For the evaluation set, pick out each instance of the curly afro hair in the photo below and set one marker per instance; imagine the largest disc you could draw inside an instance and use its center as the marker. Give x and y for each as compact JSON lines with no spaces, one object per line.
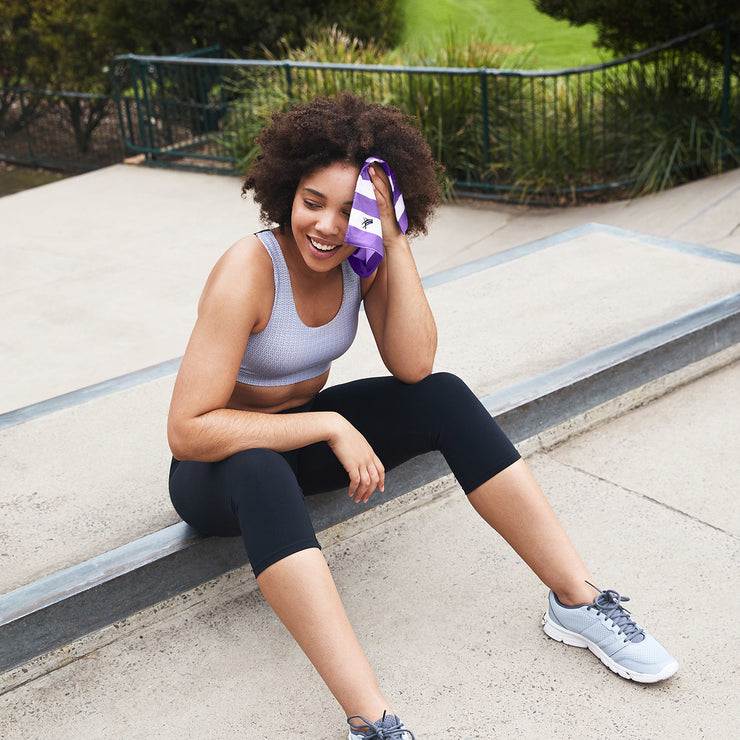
{"x":309,"y":137}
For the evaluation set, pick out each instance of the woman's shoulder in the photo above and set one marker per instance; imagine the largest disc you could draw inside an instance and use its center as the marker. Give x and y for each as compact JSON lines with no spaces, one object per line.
{"x":245,"y":259}
{"x":249,"y":252}
{"x":243,"y":272}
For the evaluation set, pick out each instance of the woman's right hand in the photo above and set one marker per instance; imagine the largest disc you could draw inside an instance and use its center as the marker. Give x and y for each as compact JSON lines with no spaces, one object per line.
{"x":366,"y":472}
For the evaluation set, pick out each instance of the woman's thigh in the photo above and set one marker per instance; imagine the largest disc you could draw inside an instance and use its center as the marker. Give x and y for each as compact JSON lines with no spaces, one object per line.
{"x":254,"y":494}
{"x":402,"y":421}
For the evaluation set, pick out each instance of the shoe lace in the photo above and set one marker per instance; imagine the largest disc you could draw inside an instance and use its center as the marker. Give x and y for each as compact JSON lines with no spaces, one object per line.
{"x":384,"y":729}
{"x":609,"y":603}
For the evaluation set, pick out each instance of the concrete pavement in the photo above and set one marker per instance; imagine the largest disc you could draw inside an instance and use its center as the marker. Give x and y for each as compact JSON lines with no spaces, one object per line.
{"x":103,"y":275}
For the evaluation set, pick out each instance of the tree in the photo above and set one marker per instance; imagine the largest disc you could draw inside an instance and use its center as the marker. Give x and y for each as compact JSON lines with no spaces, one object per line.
{"x":629,"y":25}
{"x":240,"y":27}
{"x":20,"y":65}
{"x":68,"y":45}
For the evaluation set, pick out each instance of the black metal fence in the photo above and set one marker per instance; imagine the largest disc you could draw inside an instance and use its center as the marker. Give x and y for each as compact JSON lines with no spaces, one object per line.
{"x":69,"y":131}
{"x":630,"y":125}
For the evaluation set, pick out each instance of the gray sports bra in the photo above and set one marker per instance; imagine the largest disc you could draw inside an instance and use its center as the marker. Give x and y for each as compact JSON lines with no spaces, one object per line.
{"x":287,"y":351}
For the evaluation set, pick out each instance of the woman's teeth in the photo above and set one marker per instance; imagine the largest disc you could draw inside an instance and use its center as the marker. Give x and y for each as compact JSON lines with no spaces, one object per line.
{"x":322,"y":247}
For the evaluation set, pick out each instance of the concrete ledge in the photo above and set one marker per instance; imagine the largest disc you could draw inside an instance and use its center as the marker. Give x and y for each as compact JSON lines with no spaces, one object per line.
{"x":89,"y":393}
{"x":528,"y":408}
{"x":55,"y":610}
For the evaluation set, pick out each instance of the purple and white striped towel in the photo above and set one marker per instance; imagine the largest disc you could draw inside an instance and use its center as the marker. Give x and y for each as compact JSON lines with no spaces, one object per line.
{"x":364,"y":231}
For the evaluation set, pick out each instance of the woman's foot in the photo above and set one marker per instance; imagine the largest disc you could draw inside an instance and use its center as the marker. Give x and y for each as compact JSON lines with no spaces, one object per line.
{"x":388,"y":727}
{"x":606,"y":628}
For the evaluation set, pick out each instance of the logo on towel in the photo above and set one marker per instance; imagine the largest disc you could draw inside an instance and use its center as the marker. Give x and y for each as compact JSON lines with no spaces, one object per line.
{"x":367,"y":221}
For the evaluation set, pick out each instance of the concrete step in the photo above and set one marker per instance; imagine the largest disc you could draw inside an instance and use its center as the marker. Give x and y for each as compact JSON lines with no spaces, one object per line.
{"x":557,"y":319}
{"x":58,"y":590}
{"x":448,"y":615}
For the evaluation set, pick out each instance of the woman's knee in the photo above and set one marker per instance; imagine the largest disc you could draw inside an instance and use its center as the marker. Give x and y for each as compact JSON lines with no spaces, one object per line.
{"x":256,"y":465}
{"x":445,"y":391}
{"x":259,"y":477}
{"x":445,"y":381}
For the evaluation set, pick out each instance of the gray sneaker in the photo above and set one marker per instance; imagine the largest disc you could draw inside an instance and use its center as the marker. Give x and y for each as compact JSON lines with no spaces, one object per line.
{"x":388,"y":727}
{"x":606,"y":628}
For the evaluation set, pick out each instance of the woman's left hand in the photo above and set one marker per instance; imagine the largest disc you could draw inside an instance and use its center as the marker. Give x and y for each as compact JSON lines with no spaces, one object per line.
{"x":386,"y":208}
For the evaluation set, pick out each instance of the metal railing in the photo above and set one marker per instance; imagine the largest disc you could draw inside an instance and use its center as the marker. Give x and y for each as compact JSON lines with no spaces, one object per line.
{"x":553,"y":136}
{"x":499,"y":132}
{"x":64,"y":130}
{"x":67,"y":130}
{"x":550,"y":135}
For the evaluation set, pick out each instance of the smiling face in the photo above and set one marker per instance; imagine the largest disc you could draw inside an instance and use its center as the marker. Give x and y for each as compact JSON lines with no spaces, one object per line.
{"x":320,"y":215}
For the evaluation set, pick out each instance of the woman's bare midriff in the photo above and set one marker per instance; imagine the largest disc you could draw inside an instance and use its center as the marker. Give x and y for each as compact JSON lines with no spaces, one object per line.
{"x":271,"y":399}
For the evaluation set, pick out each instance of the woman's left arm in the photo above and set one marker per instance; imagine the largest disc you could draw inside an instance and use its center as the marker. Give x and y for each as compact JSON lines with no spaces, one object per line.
{"x":396,"y":307}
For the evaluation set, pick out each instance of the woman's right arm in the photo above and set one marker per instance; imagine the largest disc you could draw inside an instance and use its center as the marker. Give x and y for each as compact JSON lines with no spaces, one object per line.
{"x":201,"y":427}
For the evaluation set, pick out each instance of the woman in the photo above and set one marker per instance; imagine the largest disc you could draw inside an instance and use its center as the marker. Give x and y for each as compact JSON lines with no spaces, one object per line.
{"x":253,"y":430}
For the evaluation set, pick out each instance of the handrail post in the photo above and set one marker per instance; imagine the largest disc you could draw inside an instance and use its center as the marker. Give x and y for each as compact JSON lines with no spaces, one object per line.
{"x":119,"y":107}
{"x":141,"y":116}
{"x":147,"y":133}
{"x":725,"y":116}
{"x":27,"y":130}
{"x":484,"y":119}
{"x":288,"y":80}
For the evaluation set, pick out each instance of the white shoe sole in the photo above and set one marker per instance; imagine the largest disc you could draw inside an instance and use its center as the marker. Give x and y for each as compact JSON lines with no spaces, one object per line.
{"x":556,"y":632}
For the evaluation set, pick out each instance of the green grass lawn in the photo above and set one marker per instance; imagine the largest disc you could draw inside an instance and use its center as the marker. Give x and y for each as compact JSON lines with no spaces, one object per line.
{"x":555,"y":44}
{"x":14,"y":179}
